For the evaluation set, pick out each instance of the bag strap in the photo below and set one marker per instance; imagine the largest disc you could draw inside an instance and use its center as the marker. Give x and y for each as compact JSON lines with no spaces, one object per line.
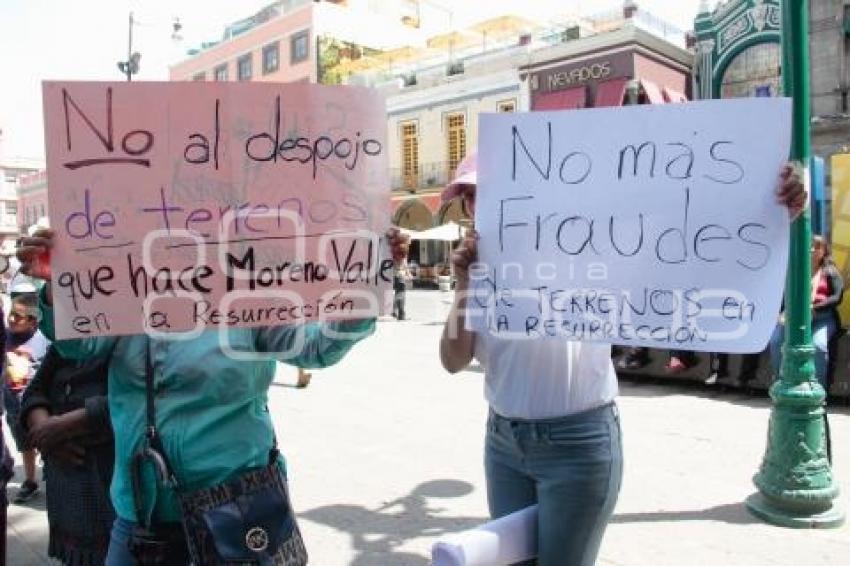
{"x":154,"y":440}
{"x":152,"y":450}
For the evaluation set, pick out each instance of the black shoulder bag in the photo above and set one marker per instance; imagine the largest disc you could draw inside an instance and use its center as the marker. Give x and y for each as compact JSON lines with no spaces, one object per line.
{"x":246,"y":520}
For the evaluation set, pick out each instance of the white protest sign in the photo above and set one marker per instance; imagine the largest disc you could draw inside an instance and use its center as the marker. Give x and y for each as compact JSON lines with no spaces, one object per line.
{"x":646,"y":226}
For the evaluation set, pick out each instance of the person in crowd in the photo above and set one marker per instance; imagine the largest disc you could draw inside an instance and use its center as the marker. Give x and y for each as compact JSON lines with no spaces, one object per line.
{"x":213,"y":423}
{"x":65,"y":415}
{"x":680,"y":361}
{"x":7,"y":472}
{"x":25,"y":346}
{"x":401,"y":275}
{"x":553,"y":430}
{"x":827,"y":290}
{"x":634,"y":359}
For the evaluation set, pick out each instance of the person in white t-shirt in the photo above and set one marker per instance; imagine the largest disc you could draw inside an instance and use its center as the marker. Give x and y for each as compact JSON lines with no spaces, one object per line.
{"x":553,"y":430}
{"x":25,"y":346}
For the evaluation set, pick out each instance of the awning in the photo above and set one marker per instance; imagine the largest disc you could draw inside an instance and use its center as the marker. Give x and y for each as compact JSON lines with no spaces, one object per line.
{"x":671,"y":95}
{"x":504,"y":26}
{"x":449,"y":232}
{"x":653,"y":93}
{"x":611,"y":93}
{"x":569,"y":99}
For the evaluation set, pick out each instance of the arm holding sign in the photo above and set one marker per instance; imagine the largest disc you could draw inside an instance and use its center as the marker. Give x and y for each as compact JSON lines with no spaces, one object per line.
{"x":457,"y":344}
{"x":323,"y":344}
{"x":326,"y":344}
{"x":34,"y":254}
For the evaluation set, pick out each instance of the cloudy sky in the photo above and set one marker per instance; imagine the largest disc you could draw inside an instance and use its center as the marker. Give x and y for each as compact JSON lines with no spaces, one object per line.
{"x":83,"y":40}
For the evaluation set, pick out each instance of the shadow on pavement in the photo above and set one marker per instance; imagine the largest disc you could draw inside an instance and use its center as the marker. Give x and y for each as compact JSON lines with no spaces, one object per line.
{"x":633,"y":387}
{"x":732,"y":513}
{"x":377,"y":533}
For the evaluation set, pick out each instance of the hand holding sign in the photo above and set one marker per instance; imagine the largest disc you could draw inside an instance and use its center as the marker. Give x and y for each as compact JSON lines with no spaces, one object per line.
{"x":34,"y":254}
{"x":791,"y":192}
{"x":464,"y":256}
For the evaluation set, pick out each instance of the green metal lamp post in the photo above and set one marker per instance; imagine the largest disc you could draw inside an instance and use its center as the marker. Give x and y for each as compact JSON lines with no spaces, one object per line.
{"x":795,"y":483}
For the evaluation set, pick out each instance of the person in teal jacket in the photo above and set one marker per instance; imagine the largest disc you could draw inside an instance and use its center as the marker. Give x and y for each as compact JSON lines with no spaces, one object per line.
{"x":211,"y":407}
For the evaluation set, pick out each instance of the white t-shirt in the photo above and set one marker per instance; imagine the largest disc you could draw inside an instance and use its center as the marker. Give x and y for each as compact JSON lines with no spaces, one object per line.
{"x":37,"y":345}
{"x":544,"y":378}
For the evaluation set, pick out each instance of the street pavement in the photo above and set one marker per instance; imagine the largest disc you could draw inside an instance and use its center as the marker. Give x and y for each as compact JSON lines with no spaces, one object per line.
{"x":385,"y":455}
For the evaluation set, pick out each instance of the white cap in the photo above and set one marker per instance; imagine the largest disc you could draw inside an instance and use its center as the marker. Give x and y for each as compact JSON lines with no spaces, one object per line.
{"x":22,"y":284}
{"x":41,"y":223}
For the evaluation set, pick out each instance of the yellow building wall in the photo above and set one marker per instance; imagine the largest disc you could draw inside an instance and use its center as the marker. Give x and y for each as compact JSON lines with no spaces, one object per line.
{"x":841,"y":224}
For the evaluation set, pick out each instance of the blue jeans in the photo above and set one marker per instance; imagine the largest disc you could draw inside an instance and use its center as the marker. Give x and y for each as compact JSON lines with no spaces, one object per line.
{"x":12,"y":404}
{"x":119,"y":551}
{"x":824,"y":328}
{"x":119,"y":541}
{"x":571,"y":467}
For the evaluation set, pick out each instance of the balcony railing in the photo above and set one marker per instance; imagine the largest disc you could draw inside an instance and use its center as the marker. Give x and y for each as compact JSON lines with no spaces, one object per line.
{"x":427,"y":175}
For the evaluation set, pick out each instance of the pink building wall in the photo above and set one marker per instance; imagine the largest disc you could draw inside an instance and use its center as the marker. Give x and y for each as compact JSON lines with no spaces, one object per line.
{"x":280,"y":29}
{"x":662,"y":75}
{"x":32,"y":198}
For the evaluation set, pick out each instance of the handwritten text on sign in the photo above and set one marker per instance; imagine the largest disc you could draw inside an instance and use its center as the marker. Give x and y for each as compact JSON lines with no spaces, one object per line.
{"x":652,"y":225}
{"x":183,"y":205}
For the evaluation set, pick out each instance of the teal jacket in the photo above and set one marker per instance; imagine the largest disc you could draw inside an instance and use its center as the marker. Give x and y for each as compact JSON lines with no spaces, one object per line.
{"x":211,"y":406}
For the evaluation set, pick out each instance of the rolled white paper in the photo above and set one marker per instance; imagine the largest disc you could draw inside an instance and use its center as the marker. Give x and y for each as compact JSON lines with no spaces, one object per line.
{"x":508,"y":540}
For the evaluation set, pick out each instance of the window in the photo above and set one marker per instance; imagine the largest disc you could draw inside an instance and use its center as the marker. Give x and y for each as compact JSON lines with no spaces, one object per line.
{"x":409,"y":155}
{"x":199,"y":77}
{"x":506,"y":106}
{"x":271,"y":58}
{"x":221,"y":72}
{"x":243,"y":68}
{"x":456,"y":136}
{"x":299,"y":47}
{"x":11,"y":207}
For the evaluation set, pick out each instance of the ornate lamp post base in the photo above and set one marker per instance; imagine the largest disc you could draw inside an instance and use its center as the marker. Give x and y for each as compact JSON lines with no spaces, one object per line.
{"x":764,"y":509}
{"x":795,"y":481}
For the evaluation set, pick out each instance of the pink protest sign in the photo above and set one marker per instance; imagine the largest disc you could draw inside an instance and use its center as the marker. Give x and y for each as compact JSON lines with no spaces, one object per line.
{"x":179,"y":206}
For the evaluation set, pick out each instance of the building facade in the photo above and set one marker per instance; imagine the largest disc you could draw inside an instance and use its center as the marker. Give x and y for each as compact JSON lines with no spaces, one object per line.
{"x":275,"y":44}
{"x":830,"y":57}
{"x":508,"y":64}
{"x":302,"y":40}
{"x":738,"y":50}
{"x":626,"y":66}
{"x":738,"y":53}
{"x":12,"y":171}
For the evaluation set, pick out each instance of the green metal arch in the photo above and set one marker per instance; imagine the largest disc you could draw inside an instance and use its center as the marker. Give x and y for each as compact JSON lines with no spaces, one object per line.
{"x":722,"y":63}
